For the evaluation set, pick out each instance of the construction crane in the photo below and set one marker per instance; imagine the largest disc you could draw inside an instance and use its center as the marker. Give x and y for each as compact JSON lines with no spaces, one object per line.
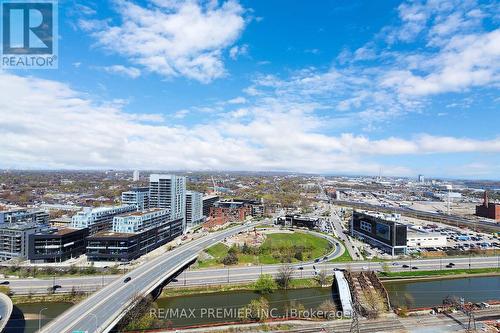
{"x":215,"y":187}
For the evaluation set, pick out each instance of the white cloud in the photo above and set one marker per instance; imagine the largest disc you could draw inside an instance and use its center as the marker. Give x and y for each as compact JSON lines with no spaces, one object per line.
{"x":58,"y":127}
{"x":238,"y":50}
{"x":465,"y":62}
{"x":172,"y":38}
{"x":131,"y":72}
{"x":237,"y":100}
{"x":181,"y":114}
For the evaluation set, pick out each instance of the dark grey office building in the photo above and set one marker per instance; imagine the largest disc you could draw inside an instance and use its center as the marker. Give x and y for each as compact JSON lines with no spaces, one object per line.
{"x":123,"y":247}
{"x":56,"y":245}
{"x":377,"y":230}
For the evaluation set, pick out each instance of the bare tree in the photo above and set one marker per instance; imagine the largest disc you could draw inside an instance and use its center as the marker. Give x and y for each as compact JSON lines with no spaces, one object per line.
{"x":322,"y":278}
{"x":284,"y":277}
{"x":374,"y":302}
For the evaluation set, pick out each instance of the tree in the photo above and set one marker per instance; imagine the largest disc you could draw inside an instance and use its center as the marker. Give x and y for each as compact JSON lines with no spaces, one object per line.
{"x":230,"y":259}
{"x":257,"y":309}
{"x":374,"y":303}
{"x":284,"y":276}
{"x":322,"y":278}
{"x":328,"y":309}
{"x":265,"y":284}
{"x":245,"y":248}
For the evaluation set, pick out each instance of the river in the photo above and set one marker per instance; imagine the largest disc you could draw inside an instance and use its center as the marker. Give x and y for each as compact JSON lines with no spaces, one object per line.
{"x":226,"y":304}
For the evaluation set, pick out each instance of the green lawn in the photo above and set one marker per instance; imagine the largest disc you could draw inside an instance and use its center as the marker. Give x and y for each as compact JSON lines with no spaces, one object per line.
{"x":443,"y":272}
{"x":345,"y":257}
{"x":272,"y":249}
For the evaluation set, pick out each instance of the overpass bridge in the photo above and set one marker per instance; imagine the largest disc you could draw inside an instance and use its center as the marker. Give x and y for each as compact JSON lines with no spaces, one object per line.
{"x":103,"y":310}
{"x":344,"y":293}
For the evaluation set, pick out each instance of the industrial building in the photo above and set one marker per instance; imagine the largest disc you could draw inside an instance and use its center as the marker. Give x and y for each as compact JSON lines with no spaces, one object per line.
{"x":194,"y":209}
{"x":138,"y":196}
{"x":99,"y":219}
{"x":56,"y":244}
{"x":381,"y":231}
{"x":230,"y":211}
{"x":422,"y":239}
{"x":488,"y":210}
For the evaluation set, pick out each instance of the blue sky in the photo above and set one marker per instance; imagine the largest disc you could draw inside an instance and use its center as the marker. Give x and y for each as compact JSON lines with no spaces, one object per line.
{"x":341,"y":87}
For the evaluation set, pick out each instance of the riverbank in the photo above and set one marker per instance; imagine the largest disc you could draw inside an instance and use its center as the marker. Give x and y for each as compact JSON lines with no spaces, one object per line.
{"x":435,"y":274}
{"x":185,"y":291}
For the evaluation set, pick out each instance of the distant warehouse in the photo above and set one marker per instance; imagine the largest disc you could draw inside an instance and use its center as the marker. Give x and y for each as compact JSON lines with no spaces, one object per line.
{"x":488,"y":209}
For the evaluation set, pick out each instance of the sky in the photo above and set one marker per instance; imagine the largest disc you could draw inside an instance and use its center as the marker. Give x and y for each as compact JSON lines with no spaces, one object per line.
{"x":399,"y":88}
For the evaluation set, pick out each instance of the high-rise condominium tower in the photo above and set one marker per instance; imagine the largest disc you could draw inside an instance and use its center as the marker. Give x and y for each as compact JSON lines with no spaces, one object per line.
{"x":168,"y":191}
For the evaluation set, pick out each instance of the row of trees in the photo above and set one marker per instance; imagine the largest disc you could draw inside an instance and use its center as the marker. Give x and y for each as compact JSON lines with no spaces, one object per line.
{"x":266,"y":284}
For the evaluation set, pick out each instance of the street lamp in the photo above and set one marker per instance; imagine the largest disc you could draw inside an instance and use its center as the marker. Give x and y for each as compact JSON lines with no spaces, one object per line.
{"x":40,"y":318}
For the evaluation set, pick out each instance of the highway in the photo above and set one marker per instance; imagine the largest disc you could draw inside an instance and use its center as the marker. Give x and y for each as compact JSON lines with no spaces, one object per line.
{"x":101,"y":311}
{"x":240,"y":274}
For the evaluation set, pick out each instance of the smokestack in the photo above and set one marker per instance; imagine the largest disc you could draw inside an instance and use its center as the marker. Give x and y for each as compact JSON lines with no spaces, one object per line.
{"x":485,"y":200}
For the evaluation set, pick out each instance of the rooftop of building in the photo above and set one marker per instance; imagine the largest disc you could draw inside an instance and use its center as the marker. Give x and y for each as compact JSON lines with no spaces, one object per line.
{"x":111,"y":234}
{"x":94,"y":210}
{"x":144,"y":212}
{"x":421,"y":233}
{"x":19,"y":226}
{"x":61,"y":220}
{"x":383,"y":216}
{"x":57,"y":231}
{"x":138,"y":189}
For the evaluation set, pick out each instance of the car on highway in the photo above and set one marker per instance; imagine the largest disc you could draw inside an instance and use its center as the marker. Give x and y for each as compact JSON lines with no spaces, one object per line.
{"x":325,"y":258}
{"x":414,"y":267}
{"x":451,"y":264}
{"x":127,"y":279}
{"x":448,"y":266}
{"x":316,"y":260}
{"x":365,"y":268}
{"x":405,"y":266}
{"x":4,"y":282}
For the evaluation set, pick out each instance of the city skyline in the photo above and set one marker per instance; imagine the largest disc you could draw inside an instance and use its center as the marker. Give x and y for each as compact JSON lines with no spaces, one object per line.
{"x":345,"y":88}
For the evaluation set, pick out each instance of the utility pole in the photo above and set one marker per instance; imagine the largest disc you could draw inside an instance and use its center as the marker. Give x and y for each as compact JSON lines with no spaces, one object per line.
{"x":355,"y":320}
